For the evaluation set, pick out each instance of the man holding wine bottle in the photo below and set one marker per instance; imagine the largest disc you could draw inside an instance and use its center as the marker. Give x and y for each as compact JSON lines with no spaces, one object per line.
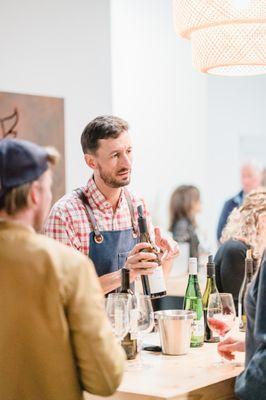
{"x":100,"y":219}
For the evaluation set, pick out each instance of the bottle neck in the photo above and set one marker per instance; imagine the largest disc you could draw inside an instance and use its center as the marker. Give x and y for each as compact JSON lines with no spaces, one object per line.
{"x":211,"y":282}
{"x":125,"y":281}
{"x":192,"y":278}
{"x":144,"y":237}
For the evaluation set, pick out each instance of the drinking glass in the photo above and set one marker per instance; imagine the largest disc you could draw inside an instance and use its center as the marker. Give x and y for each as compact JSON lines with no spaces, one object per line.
{"x":117,"y":312}
{"x":221,"y":314}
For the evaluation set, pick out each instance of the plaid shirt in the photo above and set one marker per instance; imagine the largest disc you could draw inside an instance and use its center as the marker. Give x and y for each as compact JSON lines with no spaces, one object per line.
{"x":68,"y":220}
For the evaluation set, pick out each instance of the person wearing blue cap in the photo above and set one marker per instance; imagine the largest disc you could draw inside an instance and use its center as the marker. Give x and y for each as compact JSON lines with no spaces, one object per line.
{"x":55,"y":339}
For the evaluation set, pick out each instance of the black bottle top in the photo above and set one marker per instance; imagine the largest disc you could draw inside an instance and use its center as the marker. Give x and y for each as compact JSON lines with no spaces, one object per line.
{"x":210,"y":267}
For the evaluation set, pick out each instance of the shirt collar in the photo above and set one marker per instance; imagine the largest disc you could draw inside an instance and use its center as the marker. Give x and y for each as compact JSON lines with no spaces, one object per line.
{"x":8,"y":224}
{"x":97,"y":200}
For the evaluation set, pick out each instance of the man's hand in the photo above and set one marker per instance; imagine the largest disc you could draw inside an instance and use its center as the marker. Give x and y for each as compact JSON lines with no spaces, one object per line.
{"x":227,"y":347}
{"x":168,"y":246}
{"x":140,"y":262}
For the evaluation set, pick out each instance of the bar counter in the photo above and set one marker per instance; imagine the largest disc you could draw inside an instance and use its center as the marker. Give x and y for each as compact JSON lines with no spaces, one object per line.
{"x":189,"y":377}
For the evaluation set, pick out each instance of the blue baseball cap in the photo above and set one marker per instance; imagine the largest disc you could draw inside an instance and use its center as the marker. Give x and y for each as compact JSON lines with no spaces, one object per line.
{"x":21,"y":162}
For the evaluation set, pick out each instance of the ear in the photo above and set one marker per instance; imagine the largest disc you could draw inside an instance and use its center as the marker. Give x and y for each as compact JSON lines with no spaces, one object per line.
{"x":90,"y":161}
{"x":34,"y":194}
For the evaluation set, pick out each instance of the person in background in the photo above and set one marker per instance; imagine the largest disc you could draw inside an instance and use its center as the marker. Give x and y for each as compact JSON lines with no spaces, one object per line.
{"x":251,"y":176}
{"x":246,"y":228}
{"x":185,"y":204}
{"x":251,"y":383}
{"x":100,"y":218}
{"x":55,"y":339}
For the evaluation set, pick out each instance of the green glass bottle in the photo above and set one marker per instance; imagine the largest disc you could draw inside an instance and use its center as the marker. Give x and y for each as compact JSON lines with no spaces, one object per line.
{"x":211,"y":288}
{"x":193,"y":302}
{"x":243,"y":290}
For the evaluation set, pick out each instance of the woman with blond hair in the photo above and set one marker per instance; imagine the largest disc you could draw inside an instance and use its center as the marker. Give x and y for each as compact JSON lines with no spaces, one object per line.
{"x":246,"y":228}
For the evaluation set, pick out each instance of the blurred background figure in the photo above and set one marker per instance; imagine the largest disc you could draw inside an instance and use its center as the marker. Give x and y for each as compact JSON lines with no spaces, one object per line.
{"x":185,"y":204}
{"x":246,"y":227}
{"x":251,"y":177}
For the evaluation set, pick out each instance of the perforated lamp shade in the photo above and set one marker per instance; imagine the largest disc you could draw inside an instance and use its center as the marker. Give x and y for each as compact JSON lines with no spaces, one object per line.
{"x":228,"y":37}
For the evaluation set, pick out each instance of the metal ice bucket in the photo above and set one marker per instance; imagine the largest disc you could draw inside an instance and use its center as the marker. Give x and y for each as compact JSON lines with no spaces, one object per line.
{"x":175,"y":330}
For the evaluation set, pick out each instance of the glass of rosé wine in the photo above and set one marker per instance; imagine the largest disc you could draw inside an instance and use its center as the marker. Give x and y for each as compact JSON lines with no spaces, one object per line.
{"x":221,"y":314}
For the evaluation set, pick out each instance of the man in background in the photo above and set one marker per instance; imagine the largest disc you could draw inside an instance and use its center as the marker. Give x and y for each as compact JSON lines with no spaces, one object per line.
{"x":251,"y":176}
{"x":55,"y":339}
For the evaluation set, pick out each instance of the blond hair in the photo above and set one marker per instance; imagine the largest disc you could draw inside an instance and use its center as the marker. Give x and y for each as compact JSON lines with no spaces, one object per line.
{"x":243,"y":222}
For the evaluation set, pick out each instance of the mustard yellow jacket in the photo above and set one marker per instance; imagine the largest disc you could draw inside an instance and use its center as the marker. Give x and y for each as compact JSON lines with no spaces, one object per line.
{"x":55,"y":340}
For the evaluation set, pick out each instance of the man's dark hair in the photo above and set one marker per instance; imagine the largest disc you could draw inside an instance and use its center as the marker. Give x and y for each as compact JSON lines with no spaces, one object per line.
{"x":102,"y":127}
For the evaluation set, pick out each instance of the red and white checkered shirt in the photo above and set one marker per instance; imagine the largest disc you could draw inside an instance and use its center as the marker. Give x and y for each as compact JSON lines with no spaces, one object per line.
{"x":68,"y":220}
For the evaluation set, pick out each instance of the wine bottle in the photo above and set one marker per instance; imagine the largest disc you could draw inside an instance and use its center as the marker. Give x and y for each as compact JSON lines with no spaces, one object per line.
{"x":153,"y":285}
{"x":129,"y":343}
{"x":193,"y":302}
{"x":242,"y":293}
{"x":209,"y":336}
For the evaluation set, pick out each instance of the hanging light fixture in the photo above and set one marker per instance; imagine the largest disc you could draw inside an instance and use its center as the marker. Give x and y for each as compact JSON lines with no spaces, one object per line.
{"x":228,"y":37}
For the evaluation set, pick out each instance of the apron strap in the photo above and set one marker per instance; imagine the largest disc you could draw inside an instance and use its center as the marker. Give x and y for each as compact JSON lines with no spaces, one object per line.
{"x":98,"y":237}
{"x":131,"y":210}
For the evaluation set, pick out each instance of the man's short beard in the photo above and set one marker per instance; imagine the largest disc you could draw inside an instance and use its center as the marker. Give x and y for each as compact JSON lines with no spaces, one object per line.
{"x":112,"y":182}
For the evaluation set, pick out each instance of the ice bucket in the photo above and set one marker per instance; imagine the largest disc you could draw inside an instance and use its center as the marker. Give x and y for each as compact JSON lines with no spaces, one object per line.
{"x":175,"y":330}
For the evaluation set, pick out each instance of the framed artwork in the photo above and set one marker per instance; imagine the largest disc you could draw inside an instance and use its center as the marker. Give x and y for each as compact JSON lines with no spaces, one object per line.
{"x":39,"y":119}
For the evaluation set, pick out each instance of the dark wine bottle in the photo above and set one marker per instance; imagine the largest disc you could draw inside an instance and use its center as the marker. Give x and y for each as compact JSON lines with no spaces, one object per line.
{"x":242,"y":293}
{"x":209,"y":336}
{"x":129,"y":343}
{"x":153,"y":285}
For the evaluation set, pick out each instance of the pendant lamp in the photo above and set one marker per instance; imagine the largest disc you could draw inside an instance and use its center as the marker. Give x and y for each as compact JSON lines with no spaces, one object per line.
{"x":228,"y":37}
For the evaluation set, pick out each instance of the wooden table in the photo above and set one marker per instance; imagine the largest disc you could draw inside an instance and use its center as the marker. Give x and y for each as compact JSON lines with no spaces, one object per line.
{"x":189,"y":377}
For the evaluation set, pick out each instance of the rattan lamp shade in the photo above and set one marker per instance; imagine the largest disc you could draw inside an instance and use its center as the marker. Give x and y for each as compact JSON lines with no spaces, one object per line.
{"x":228,"y":37}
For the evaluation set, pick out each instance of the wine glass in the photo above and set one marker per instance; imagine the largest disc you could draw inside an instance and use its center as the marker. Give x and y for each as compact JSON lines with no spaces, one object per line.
{"x":221,"y":314}
{"x":145,"y":322}
{"x":117,"y":312}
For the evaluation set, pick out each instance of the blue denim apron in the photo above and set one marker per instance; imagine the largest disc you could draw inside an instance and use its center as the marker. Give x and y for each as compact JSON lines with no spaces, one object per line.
{"x":109,"y":249}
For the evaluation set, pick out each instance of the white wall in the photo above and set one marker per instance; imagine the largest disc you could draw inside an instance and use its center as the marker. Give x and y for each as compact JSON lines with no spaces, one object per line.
{"x":162,"y":97}
{"x":59,"y":48}
{"x":236,"y":107}
{"x":185,"y":125}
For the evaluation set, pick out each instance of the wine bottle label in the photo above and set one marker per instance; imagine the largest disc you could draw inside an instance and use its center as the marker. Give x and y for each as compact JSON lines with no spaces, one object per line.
{"x":197,"y":328}
{"x":134,"y":315}
{"x":130,"y":347}
{"x":156,"y":281}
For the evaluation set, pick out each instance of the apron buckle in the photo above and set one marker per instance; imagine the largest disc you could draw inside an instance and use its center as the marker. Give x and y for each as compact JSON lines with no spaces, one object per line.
{"x":98,"y":238}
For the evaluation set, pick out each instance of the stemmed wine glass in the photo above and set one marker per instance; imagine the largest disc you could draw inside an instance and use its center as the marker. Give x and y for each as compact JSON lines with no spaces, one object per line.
{"x":117,"y":312}
{"x":143,"y":323}
{"x":221,"y":314}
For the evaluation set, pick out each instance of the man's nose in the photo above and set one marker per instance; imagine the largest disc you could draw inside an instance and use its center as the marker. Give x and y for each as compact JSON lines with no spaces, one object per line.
{"x":126,"y":161}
